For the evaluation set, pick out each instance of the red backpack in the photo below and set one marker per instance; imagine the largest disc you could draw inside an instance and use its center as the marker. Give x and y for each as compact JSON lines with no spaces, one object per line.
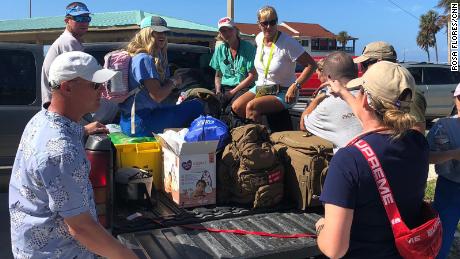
{"x":423,"y":241}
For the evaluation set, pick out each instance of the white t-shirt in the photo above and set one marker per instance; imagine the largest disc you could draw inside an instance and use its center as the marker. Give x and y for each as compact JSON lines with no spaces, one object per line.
{"x":282,"y":66}
{"x":334,"y":120}
{"x":65,"y":43}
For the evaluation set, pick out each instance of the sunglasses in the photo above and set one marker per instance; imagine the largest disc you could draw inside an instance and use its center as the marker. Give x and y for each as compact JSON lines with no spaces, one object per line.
{"x":81,"y":19}
{"x":96,"y":86}
{"x":271,"y":23}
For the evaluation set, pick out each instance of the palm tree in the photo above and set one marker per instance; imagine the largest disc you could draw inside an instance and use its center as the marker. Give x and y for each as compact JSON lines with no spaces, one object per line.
{"x":444,"y":20}
{"x":425,"y":41}
{"x":429,"y":24}
{"x":343,"y":38}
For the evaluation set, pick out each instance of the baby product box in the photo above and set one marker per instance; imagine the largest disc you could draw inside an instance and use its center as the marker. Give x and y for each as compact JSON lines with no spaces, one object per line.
{"x":189,"y":171}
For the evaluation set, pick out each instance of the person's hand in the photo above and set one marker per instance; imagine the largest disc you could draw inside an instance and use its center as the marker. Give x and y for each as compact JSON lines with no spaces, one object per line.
{"x":302,"y":124}
{"x":177,"y":81}
{"x":319,"y":223}
{"x":94,"y":128}
{"x":336,"y":87}
{"x":229,"y":94}
{"x":291,"y":94}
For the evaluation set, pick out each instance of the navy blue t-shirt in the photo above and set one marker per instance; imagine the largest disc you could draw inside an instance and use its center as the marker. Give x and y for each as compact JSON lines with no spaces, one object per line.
{"x":349,"y":184}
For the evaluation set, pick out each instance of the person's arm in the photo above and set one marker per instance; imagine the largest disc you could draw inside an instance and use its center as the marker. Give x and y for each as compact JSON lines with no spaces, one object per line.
{"x":245,"y":83}
{"x":218,"y":81}
{"x":94,"y":128}
{"x":340,"y":90}
{"x":334,"y":231}
{"x":311,"y":106}
{"x":95,"y":238}
{"x":309,"y":68}
{"x":157,"y":91}
{"x":439,"y":157}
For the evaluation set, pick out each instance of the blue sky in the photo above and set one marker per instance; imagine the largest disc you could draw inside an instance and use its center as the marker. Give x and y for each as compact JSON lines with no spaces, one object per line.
{"x":368,"y":20}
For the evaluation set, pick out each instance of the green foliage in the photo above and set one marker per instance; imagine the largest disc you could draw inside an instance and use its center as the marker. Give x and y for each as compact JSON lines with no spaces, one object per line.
{"x":429,"y":191}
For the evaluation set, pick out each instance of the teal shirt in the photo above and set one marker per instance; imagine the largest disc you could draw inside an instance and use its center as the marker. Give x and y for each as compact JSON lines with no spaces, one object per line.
{"x":233,"y":71}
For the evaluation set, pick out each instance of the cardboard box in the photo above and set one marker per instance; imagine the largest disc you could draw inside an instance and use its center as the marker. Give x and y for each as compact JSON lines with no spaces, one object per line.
{"x":189,"y":172}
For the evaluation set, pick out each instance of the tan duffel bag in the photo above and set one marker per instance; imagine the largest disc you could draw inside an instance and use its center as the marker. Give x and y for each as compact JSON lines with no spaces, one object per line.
{"x":306,"y":159}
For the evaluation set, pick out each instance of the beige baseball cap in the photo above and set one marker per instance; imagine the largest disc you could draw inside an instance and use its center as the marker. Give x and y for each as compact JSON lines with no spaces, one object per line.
{"x":386,"y":81}
{"x":379,"y":50}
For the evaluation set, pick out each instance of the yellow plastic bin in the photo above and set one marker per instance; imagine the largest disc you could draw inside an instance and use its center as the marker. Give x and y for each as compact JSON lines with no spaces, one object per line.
{"x":146,"y":155}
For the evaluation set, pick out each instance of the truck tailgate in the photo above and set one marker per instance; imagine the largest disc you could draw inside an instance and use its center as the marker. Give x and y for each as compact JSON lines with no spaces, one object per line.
{"x":180,"y":242}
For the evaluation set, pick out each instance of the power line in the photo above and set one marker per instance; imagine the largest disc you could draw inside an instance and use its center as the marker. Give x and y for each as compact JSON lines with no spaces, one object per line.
{"x":404,"y":10}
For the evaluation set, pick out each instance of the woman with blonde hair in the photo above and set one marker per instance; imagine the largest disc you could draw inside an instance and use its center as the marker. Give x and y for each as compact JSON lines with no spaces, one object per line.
{"x":277,"y":87}
{"x":355,"y":224}
{"x":143,"y":113}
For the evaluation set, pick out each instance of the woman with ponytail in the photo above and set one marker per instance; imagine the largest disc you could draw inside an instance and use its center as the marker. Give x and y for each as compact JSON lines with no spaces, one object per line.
{"x":355,"y":224}
{"x":149,"y":69}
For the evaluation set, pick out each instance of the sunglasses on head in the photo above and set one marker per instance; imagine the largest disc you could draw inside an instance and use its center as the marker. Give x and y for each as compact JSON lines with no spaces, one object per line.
{"x":271,"y":22}
{"x":81,"y":18}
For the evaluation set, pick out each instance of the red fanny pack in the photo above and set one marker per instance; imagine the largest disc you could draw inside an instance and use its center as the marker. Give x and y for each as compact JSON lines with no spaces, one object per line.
{"x":423,"y":241}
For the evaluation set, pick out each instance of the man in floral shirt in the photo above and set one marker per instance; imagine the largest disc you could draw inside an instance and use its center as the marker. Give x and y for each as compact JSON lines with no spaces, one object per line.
{"x":51,"y":202}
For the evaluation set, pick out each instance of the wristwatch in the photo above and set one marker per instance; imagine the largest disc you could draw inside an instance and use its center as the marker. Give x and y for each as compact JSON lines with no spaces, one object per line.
{"x":298,"y":85}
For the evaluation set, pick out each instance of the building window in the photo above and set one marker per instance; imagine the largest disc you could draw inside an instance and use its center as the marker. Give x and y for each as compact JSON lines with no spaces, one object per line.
{"x":305,"y":43}
{"x":17,"y":77}
{"x":315,"y":44}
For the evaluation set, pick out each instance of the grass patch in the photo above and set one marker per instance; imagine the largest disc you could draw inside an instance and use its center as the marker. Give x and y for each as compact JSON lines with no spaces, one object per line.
{"x":429,"y":191}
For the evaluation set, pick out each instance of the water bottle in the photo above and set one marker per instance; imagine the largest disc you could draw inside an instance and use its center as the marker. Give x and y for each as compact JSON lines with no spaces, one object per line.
{"x":441,"y":139}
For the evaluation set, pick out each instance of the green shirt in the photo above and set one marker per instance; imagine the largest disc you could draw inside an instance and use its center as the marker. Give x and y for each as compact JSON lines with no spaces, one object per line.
{"x":233,"y":71}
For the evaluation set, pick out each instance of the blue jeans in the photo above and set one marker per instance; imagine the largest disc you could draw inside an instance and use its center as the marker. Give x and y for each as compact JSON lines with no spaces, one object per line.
{"x":447,"y":203}
{"x":156,"y":120}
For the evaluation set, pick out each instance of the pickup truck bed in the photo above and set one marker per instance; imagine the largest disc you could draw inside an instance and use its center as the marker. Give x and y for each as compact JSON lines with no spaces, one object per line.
{"x":181,"y":242}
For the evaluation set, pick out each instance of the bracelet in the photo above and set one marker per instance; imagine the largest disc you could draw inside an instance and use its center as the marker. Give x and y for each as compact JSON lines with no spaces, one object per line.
{"x":318,"y":230}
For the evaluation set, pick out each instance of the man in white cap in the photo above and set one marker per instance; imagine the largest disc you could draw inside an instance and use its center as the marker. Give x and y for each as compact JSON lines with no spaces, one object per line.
{"x":51,"y":203}
{"x":378,"y":51}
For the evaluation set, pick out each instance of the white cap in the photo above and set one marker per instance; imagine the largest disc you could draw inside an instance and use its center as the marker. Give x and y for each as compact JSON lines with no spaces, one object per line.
{"x":225,"y":22}
{"x":73,"y":64}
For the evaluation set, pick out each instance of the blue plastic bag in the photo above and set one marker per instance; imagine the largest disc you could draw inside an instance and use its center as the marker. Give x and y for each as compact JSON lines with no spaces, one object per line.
{"x":206,"y":128}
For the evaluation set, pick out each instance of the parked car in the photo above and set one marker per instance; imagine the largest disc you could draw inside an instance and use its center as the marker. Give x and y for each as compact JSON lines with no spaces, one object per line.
{"x":437,"y":83}
{"x":312,"y":84}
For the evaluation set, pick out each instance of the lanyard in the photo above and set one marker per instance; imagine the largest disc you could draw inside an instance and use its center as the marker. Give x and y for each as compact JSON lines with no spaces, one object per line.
{"x":270,"y":56}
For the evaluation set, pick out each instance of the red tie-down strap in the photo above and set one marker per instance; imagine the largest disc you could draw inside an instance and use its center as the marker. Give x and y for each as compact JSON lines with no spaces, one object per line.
{"x":246,"y":232}
{"x":275,"y":176}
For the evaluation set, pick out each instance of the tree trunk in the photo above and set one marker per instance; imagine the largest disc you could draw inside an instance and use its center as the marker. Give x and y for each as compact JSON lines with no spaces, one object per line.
{"x":436,"y":49}
{"x":428,"y":53}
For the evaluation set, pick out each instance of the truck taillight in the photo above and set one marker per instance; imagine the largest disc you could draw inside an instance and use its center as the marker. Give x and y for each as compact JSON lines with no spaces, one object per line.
{"x":99,"y":167}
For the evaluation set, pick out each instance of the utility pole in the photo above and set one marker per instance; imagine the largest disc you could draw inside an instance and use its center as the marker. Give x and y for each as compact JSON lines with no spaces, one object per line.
{"x":230,"y":10}
{"x":30,"y":8}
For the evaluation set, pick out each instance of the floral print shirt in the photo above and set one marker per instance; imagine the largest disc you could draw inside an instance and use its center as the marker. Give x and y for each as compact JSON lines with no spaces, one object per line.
{"x":49,"y":182}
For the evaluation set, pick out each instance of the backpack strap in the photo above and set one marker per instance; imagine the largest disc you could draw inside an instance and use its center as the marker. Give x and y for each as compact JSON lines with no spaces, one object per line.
{"x":134,"y":92}
{"x":383,"y":187}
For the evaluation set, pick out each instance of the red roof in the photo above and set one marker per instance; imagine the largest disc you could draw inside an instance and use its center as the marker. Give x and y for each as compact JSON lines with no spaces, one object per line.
{"x":310,"y":29}
{"x":297,"y":29}
{"x":251,"y":28}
